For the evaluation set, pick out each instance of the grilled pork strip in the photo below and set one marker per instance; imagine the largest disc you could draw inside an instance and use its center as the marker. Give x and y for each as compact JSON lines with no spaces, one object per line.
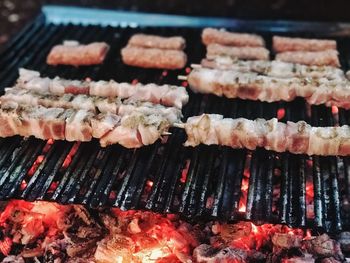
{"x":299,"y":138}
{"x":315,"y":58}
{"x":212,"y":35}
{"x":153,"y":57}
{"x":244,"y":53}
{"x":282,"y":44}
{"x":76,"y":54}
{"x":153,"y":41}
{"x":274,"y":68}
{"x":90,"y":103}
{"x":131,"y":131}
{"x":165,"y":94}
{"x":234,"y":84}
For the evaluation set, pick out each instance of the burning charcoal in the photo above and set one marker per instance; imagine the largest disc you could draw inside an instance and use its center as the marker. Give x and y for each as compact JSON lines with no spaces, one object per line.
{"x":116,"y":249}
{"x":81,"y":248}
{"x":344,"y":240}
{"x":13,"y":259}
{"x":192,"y":234}
{"x":256,"y":256}
{"x":286,"y":240}
{"x":133,"y":227}
{"x":54,"y":252}
{"x":32,"y":253}
{"x":330,"y":260}
{"x":207,"y":254}
{"x":306,"y":259}
{"x":323,"y":246}
{"x":238,"y":235}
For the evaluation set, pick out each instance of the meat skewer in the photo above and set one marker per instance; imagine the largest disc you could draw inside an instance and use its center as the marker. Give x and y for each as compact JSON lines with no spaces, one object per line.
{"x":165,"y":94}
{"x":131,"y":131}
{"x":234,"y":84}
{"x":76,"y":54}
{"x":153,"y":41}
{"x":298,"y":138}
{"x":274,"y":68}
{"x":282,"y":44}
{"x":316,"y":58}
{"x":153,"y":57}
{"x":90,"y":103}
{"x":244,"y":53}
{"x":212,"y":35}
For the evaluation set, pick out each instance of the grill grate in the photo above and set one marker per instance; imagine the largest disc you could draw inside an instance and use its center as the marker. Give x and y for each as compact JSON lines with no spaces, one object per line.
{"x":153,"y":177}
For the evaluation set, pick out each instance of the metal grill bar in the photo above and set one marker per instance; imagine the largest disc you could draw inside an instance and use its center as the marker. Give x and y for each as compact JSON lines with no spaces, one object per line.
{"x":202,"y":182}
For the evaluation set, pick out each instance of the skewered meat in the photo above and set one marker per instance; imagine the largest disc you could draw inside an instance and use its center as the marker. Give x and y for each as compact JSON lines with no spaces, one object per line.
{"x":274,"y":68}
{"x":282,"y":44}
{"x":316,"y":58}
{"x":153,"y":57}
{"x":234,"y":84}
{"x":153,"y":41}
{"x":131,"y":131}
{"x":165,"y":94}
{"x":299,"y":138}
{"x":76,"y":54}
{"x":90,"y":103}
{"x":245,"y":53}
{"x":211,"y":35}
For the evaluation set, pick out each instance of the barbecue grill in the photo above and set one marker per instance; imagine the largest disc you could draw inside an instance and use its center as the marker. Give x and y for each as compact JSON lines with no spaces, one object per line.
{"x":199,"y":183}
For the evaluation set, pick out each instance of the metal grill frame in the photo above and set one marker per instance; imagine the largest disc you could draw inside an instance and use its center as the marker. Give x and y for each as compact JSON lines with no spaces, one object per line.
{"x":119,"y":177}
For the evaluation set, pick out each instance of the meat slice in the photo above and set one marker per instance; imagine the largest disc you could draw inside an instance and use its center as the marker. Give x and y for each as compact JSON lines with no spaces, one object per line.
{"x":212,"y":35}
{"x":78,"y":126}
{"x":282,"y":44}
{"x":76,"y":54}
{"x":153,"y":57}
{"x":324,"y":141}
{"x":274,"y":68}
{"x":103,"y":124}
{"x":10,"y":120}
{"x":244,"y":53}
{"x":316,"y":58}
{"x":153,"y":41}
{"x":297,"y":136}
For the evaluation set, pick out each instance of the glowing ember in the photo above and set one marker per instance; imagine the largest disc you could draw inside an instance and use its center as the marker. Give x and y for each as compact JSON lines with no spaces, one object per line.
{"x":70,"y":155}
{"x":188,"y":70}
{"x":281,"y":113}
{"x":134,"y":81}
{"x":184,"y":172}
{"x":165,"y":73}
{"x":184,"y":84}
{"x":149,"y":183}
{"x":244,"y":192}
{"x":335,"y":110}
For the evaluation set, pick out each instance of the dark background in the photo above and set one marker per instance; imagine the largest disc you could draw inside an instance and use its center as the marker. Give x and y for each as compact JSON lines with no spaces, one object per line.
{"x":14,"y":14}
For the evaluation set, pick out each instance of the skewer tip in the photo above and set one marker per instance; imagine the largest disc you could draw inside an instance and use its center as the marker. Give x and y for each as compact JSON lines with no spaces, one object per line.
{"x":179,"y":125}
{"x":196,"y":66}
{"x":181,"y":77}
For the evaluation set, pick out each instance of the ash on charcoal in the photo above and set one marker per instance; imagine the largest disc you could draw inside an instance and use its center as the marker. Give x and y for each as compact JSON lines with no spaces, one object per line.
{"x":344,"y":240}
{"x":207,"y":254}
{"x":323,"y":246}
